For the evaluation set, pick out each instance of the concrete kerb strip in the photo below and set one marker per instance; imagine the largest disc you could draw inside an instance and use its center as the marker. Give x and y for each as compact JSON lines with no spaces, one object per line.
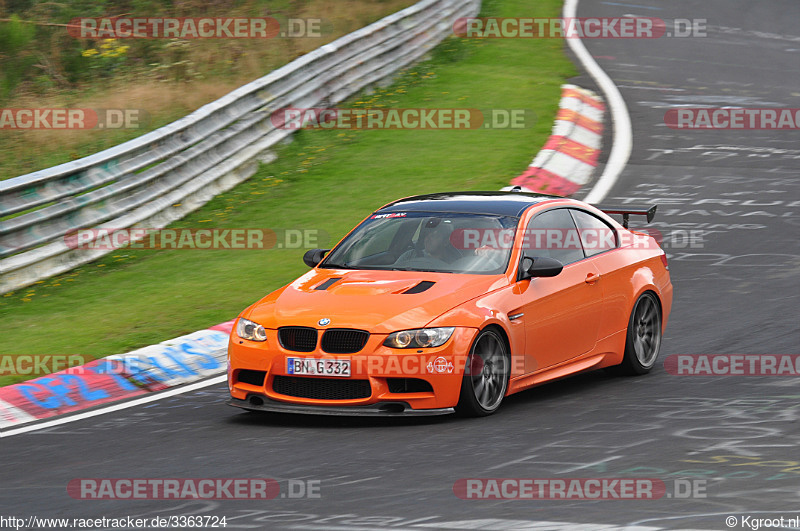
{"x":175,"y":362}
{"x":569,"y":157}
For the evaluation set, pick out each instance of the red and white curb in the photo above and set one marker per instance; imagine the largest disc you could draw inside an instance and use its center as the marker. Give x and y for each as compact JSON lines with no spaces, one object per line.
{"x":175,"y":362}
{"x":569,"y":158}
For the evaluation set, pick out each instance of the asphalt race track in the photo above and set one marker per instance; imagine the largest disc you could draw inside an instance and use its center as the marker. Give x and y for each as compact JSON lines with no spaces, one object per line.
{"x":732,"y":199}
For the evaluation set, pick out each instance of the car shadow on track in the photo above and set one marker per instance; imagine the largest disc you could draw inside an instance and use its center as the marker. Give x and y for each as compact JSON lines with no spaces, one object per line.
{"x":579,"y":386}
{"x":288,"y":420}
{"x":527,"y":402}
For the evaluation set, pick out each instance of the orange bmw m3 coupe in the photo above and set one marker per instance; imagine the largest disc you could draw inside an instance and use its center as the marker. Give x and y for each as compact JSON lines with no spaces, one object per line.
{"x":450,"y":302}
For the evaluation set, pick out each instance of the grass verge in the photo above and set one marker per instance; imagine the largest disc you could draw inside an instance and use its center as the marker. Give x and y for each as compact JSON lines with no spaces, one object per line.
{"x":164,"y":78}
{"x":326,"y":180}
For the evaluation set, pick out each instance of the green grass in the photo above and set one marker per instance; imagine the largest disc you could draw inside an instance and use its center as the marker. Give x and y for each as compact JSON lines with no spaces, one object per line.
{"x":326,"y":179}
{"x":165,"y":78}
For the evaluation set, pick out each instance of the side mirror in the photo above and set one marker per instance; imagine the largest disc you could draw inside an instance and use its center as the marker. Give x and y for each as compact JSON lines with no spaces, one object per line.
{"x":539,"y":266}
{"x":314,"y":256}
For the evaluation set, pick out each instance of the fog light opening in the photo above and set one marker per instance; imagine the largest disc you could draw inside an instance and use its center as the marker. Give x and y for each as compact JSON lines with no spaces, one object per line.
{"x":256,"y":400}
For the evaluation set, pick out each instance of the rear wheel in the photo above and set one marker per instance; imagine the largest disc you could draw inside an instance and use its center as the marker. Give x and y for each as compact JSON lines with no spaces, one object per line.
{"x":644,"y":336}
{"x":485,"y":375}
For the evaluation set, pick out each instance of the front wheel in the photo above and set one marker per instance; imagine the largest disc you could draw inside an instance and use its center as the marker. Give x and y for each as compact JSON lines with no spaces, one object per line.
{"x":643,"y":340}
{"x":486,"y":376}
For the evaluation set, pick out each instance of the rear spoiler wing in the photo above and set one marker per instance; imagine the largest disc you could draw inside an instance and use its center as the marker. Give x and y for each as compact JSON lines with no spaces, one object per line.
{"x":650,"y":212}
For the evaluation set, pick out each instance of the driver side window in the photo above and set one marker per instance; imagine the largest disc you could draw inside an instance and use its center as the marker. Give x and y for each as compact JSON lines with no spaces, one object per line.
{"x":553,"y":234}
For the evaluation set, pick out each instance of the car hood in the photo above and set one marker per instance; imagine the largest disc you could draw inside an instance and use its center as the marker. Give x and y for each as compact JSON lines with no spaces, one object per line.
{"x":369,"y":300}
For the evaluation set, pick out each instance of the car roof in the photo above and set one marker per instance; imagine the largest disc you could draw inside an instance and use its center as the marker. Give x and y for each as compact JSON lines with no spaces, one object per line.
{"x":493,"y":203}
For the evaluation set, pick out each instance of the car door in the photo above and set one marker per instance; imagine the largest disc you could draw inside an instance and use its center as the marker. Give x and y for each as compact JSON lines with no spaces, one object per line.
{"x":561,"y":313}
{"x":600,"y":245}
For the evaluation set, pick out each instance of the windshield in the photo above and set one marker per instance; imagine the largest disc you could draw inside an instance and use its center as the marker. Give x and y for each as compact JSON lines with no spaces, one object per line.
{"x":427,"y":241}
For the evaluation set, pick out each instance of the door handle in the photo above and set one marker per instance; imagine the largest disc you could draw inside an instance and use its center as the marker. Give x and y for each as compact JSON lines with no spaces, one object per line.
{"x":591,"y":278}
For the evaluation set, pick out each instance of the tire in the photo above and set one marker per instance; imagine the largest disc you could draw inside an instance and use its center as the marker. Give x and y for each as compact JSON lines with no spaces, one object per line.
{"x":643,"y":339}
{"x":486,"y":375}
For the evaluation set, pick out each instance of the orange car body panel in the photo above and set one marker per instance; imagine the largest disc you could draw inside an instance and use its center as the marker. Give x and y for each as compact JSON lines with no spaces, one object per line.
{"x":569,"y":325}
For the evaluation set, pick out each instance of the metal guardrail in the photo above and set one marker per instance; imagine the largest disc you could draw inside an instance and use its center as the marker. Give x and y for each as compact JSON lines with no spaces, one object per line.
{"x":163,"y":175}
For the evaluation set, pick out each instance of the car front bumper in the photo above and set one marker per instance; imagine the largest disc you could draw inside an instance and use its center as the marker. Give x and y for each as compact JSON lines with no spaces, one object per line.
{"x":376,"y":364}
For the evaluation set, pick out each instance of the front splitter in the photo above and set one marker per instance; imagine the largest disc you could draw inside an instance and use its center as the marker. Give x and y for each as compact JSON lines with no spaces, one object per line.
{"x":379,"y":409}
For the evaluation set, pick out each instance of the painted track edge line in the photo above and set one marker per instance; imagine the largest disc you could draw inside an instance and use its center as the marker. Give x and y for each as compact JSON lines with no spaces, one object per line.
{"x":622,"y":140}
{"x":116,"y":406}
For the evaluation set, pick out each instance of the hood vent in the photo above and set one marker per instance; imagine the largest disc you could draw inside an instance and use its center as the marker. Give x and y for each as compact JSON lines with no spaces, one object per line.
{"x":425,"y":285}
{"x":328,"y":283}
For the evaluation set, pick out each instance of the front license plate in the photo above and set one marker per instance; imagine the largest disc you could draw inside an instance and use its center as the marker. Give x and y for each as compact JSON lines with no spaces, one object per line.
{"x":317,"y":367}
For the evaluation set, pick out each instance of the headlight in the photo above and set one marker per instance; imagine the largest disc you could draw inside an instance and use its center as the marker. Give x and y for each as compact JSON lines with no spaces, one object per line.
{"x":420,"y":338}
{"x":250,"y":330}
